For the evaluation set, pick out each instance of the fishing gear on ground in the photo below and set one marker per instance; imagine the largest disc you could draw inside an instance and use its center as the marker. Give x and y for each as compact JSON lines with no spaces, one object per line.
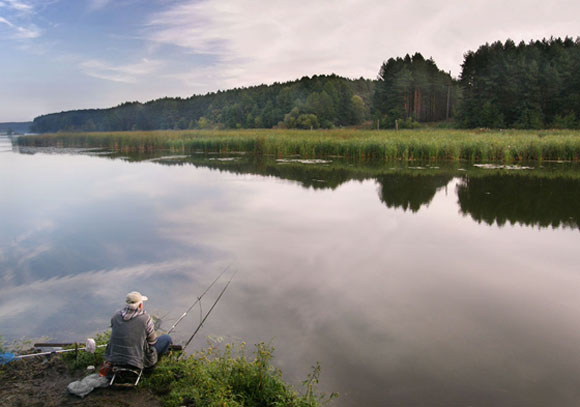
{"x":90,"y":347}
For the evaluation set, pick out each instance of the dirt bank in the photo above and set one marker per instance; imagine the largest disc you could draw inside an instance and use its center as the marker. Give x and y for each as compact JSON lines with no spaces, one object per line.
{"x":42,"y":382}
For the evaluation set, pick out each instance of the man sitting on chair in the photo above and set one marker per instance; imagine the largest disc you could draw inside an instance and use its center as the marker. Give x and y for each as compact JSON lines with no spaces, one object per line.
{"x":133,"y":339}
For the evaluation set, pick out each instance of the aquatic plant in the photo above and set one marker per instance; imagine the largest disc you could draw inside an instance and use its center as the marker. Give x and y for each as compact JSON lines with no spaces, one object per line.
{"x":356,"y":145}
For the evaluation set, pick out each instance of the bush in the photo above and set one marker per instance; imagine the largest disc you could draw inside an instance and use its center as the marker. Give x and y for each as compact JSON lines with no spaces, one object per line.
{"x":212,"y":378}
{"x":565,"y":122}
{"x":409,"y":123}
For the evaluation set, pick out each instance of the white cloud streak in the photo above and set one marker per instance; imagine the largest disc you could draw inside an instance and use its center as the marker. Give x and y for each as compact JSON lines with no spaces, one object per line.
{"x":17,"y":5}
{"x":21,"y":32}
{"x":129,"y":73}
{"x":97,"y":4}
{"x":4,"y":21}
{"x":20,"y":12}
{"x":58,"y":291}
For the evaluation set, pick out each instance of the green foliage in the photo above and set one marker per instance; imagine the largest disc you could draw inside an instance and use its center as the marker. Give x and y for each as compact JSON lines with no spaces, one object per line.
{"x":413,"y":87}
{"x":527,"y":86}
{"x":81,"y":359}
{"x":490,"y":116}
{"x":358,"y":145}
{"x":297,"y":120}
{"x":565,"y":122}
{"x":212,"y":378}
{"x":322,"y":101}
{"x":409,"y":123}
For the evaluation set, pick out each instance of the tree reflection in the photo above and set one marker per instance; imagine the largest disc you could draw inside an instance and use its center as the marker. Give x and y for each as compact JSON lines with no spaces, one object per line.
{"x":521,"y":199}
{"x":410,"y":191}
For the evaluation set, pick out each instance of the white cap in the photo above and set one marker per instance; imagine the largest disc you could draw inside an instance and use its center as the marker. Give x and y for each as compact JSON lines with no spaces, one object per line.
{"x":134,"y":299}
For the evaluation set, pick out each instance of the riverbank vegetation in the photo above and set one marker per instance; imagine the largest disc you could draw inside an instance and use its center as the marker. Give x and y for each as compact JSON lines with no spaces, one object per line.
{"x":206,"y":378}
{"x":230,"y":378}
{"x":357,"y":145}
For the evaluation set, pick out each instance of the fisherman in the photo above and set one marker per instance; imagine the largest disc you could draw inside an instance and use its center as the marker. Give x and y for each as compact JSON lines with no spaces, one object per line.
{"x":133,"y":339}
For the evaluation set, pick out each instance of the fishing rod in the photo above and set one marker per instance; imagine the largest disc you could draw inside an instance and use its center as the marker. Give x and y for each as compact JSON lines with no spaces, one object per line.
{"x":198,"y":300}
{"x":91,"y":346}
{"x":209,"y":312}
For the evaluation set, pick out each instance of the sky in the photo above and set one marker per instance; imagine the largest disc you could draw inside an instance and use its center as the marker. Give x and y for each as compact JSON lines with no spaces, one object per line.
{"x":58,"y":55}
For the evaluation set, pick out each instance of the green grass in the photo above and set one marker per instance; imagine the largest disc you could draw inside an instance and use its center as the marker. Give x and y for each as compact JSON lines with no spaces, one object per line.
{"x":212,"y":378}
{"x":358,"y":145}
{"x":81,"y":359}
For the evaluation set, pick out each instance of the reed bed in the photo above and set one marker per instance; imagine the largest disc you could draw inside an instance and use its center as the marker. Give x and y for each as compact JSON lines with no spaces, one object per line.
{"x":364,"y":145}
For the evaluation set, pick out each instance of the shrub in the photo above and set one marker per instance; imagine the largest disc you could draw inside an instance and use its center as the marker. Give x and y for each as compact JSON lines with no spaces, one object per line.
{"x":212,"y":378}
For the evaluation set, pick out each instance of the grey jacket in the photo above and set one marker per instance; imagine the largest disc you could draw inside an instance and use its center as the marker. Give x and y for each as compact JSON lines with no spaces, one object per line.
{"x":128,"y":344}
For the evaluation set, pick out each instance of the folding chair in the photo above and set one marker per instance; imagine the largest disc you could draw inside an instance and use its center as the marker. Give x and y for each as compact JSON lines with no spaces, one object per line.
{"x":125,"y":376}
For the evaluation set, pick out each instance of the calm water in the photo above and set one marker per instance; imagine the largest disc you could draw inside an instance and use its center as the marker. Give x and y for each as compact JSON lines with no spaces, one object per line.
{"x":411,"y":286}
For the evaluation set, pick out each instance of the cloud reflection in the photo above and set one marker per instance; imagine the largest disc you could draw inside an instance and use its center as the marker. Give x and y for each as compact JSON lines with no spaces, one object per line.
{"x":400,"y":307}
{"x":64,"y":307}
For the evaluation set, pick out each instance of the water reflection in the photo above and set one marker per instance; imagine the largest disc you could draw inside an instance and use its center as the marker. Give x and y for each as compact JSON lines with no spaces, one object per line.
{"x":410,"y":191}
{"x":373,"y":271}
{"x":532,"y":201}
{"x":545,"y":196}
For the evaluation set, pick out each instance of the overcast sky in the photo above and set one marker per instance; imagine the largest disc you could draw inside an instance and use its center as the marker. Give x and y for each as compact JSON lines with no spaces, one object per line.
{"x":68,"y":54}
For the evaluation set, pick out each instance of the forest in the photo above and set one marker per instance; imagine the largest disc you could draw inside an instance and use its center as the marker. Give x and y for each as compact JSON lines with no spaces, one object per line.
{"x":501,"y":85}
{"x":413,"y":89}
{"x":312,"y":102}
{"x":527,"y":86}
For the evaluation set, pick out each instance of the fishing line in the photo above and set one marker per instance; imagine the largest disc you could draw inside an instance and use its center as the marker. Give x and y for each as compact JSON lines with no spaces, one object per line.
{"x":209,"y":312}
{"x":198,"y":300}
{"x":90,"y":345}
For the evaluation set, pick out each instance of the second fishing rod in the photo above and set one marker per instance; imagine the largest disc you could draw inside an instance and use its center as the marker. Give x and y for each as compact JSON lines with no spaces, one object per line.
{"x":198,"y":301}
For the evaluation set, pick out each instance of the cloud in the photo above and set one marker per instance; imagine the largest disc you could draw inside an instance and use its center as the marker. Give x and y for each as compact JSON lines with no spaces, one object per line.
{"x":17,"y":5}
{"x":19,"y":23}
{"x":4,"y":21}
{"x":22,"y":299}
{"x":97,"y":4}
{"x":262,"y":42}
{"x":21,"y":32}
{"x":129,"y":73}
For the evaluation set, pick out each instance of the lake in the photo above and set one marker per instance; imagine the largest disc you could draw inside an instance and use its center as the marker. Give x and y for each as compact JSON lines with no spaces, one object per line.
{"x":412,"y":284}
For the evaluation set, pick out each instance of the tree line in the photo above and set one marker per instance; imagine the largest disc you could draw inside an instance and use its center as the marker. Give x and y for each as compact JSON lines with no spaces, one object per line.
{"x":533,"y":85}
{"x":321,"y":101}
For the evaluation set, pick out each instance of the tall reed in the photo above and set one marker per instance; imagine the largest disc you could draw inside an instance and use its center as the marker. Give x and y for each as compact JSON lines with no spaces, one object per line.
{"x":363,"y":145}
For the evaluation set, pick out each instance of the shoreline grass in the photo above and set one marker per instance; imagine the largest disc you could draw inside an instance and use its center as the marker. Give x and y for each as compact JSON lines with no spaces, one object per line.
{"x":358,"y":145}
{"x":227,"y":375}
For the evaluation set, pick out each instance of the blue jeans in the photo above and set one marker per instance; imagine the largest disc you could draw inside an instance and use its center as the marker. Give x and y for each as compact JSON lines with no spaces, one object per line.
{"x":162,"y":344}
